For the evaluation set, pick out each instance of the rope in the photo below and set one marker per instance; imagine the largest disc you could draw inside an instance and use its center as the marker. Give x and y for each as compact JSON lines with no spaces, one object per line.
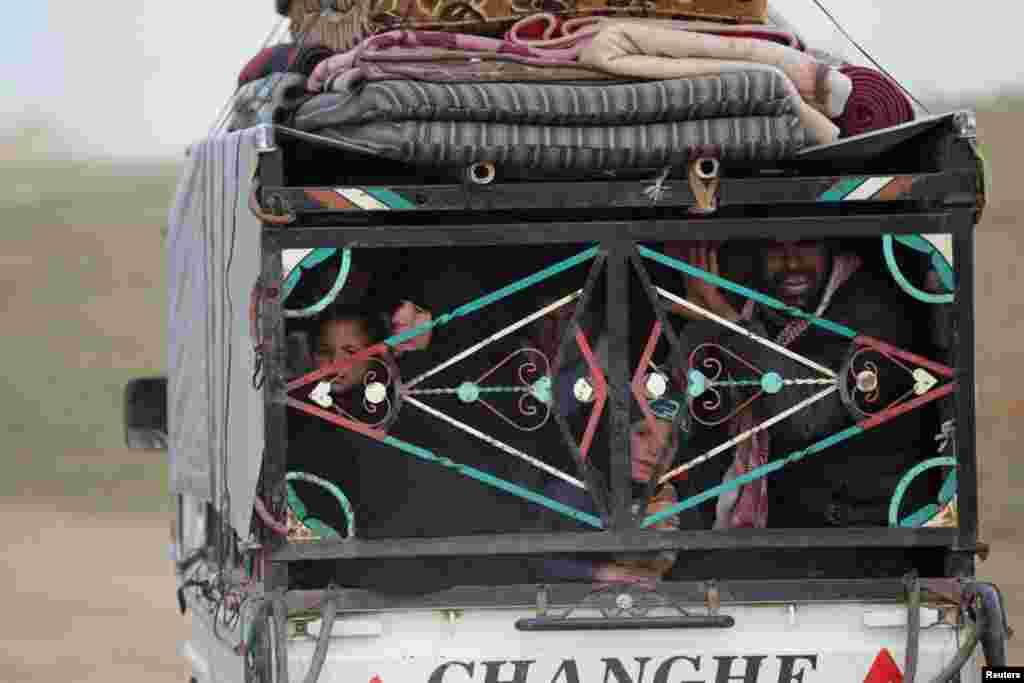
{"x":952,"y":670}
{"x":225,"y":111}
{"x":870,"y":58}
{"x":328,"y":613}
{"x":913,"y":629}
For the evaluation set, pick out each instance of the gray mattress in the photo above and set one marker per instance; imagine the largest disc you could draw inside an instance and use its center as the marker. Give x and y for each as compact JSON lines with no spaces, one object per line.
{"x":744,"y":116}
{"x":576,"y":148}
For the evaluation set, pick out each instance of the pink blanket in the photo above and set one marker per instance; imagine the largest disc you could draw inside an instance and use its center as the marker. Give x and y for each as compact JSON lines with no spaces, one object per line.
{"x":418,"y":44}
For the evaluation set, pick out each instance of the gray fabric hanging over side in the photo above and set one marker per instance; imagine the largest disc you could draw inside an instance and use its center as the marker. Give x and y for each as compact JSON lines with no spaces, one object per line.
{"x":215,"y":415}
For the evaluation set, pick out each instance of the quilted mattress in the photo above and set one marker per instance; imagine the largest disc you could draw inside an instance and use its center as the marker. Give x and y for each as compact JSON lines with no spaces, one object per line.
{"x":741,"y":116}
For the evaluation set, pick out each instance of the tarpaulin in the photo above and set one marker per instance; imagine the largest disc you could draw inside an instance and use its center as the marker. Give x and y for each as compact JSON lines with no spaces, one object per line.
{"x":215,"y":416}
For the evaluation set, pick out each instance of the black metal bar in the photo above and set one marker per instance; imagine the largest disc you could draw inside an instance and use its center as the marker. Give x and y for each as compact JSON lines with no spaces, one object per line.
{"x":588,"y":474}
{"x":966,"y":436}
{"x":271,"y":168}
{"x":619,"y":375}
{"x":948,"y":188}
{"x":624,"y":623}
{"x":675,"y":344}
{"x":623,"y":541}
{"x":482,"y":233}
{"x":275,"y":419}
{"x":686,"y":593}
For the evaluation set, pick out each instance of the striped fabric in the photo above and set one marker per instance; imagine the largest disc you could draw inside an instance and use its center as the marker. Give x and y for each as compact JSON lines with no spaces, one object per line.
{"x":743,"y":116}
{"x":576,"y":148}
{"x":746,"y":93}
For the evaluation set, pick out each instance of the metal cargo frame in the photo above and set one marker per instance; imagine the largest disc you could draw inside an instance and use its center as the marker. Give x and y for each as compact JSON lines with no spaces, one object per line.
{"x":615,"y":216}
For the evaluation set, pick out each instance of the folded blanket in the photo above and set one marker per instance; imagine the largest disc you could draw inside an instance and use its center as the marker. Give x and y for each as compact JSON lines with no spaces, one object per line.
{"x":650,"y":52}
{"x":654,"y":51}
{"x":427,"y":42}
{"x":546,"y":30}
{"x":439,"y":65}
{"x":577,"y":149}
{"x":344,"y":23}
{"x":758,"y":92}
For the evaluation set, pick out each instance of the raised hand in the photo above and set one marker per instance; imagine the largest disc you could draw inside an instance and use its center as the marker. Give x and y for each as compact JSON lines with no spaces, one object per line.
{"x":703,"y":255}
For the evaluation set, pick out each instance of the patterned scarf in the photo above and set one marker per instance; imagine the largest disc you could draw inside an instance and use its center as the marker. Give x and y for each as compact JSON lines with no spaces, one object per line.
{"x":748,"y":506}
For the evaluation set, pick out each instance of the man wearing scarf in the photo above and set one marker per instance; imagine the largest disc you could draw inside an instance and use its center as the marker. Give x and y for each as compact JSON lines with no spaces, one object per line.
{"x":849,"y":484}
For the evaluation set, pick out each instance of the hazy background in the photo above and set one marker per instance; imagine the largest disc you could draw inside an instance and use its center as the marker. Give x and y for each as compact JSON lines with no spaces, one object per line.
{"x":96,"y":108}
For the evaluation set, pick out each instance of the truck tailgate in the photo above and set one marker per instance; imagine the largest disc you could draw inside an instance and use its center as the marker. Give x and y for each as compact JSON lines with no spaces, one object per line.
{"x":767,"y":643}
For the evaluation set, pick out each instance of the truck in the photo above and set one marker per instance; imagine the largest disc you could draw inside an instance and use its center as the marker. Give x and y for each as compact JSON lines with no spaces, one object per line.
{"x":398,"y":510}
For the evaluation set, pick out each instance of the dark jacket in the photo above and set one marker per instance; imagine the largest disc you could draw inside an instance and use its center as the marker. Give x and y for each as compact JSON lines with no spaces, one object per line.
{"x":854,"y":479}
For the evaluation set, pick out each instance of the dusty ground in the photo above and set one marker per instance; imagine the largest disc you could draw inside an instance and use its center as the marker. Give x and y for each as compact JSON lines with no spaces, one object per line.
{"x":83,"y":527}
{"x":1000,"y":367}
{"x":93,"y":597}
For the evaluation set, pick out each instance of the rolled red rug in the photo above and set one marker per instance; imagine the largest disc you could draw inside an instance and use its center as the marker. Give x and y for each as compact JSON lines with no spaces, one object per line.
{"x":876,"y":102}
{"x":275,"y":59}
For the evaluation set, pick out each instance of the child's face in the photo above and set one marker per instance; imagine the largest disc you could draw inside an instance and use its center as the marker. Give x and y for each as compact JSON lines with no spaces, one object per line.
{"x":645,"y":445}
{"x":406,"y":317}
{"x":339,"y":340}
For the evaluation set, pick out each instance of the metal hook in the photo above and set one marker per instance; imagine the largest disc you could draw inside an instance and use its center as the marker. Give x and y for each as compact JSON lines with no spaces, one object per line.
{"x":703,"y":176}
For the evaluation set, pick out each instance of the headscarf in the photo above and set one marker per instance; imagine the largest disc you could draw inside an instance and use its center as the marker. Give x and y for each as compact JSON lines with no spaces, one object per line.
{"x":440,"y":290}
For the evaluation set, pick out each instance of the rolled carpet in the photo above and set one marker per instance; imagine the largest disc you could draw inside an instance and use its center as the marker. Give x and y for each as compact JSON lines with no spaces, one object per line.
{"x":875,"y":102}
{"x":282,"y":58}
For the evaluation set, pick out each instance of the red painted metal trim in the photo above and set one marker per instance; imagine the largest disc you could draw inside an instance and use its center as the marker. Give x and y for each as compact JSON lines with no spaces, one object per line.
{"x":636,"y":385}
{"x":330,"y":200}
{"x":896,"y":411}
{"x":882,"y":346}
{"x":315,"y":376}
{"x":896,"y":188}
{"x":600,"y":389}
{"x":377,"y":434}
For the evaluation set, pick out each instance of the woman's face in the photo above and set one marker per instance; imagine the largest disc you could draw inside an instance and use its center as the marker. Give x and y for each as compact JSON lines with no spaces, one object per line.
{"x":406,"y":317}
{"x":645,"y":445}
{"x":340,"y":340}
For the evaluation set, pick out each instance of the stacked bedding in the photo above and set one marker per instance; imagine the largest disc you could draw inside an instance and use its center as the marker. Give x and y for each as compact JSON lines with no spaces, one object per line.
{"x":559,"y":91}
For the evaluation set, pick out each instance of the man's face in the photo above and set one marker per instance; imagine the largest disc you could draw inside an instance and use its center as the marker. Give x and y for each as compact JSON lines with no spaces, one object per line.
{"x":340,"y":340}
{"x":795,"y":272}
{"x":406,"y":317}
{"x":645,"y":445}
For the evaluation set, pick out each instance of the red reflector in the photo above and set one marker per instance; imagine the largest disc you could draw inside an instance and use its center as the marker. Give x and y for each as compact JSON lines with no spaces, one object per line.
{"x":884,"y":669}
